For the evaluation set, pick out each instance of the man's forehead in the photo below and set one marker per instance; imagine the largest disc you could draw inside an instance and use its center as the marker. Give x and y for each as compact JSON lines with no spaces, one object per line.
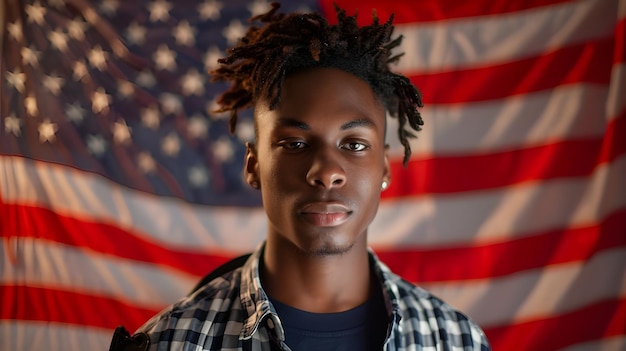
{"x":355,"y":123}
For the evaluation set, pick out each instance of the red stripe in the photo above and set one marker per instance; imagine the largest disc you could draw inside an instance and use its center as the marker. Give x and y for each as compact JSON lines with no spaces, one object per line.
{"x":453,"y":174}
{"x":51,"y":305}
{"x":589,"y":62}
{"x":593,"y":322}
{"x":414,"y":264}
{"x":488,"y":261}
{"x":407,"y":11}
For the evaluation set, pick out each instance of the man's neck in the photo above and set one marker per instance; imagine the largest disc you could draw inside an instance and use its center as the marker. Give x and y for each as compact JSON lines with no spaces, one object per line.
{"x":316,"y":283}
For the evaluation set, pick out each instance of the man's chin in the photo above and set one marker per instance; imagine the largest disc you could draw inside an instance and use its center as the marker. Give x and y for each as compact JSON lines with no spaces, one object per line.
{"x":327,"y":250}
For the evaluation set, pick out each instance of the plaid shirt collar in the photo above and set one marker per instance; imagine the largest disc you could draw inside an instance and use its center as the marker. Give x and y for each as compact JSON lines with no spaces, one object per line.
{"x":258,"y":307}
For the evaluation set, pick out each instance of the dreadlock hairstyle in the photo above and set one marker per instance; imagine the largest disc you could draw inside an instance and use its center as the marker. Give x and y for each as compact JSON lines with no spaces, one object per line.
{"x":287,"y":43}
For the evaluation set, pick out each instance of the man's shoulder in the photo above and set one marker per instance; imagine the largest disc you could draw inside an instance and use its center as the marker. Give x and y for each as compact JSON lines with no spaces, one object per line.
{"x":424,"y":311}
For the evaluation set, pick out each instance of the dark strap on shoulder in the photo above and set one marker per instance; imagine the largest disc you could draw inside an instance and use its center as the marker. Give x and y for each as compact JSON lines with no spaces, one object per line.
{"x":221,"y":270}
{"x":122,"y":341}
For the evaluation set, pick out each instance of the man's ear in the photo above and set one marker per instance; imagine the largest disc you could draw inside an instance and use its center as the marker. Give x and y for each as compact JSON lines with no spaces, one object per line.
{"x":386,"y":169}
{"x":251,"y":166}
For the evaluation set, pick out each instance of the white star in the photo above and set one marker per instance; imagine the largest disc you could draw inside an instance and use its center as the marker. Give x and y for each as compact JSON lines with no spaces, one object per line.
{"x":53,"y":84}
{"x":75,"y":112}
{"x":96,"y":144}
{"x":58,"y":39}
{"x":245,"y":130}
{"x":258,"y":7}
{"x":79,"y":70}
{"x":210,"y":9}
{"x":47,"y":131}
{"x":192,"y":83}
{"x":76,"y":29}
{"x":100,"y":101}
{"x":15,"y":30}
{"x":164,"y":58}
{"x":159,"y":10}
{"x":125,"y":88}
{"x":223,"y":149}
{"x":197,"y":127}
{"x":198,"y":176}
{"x":146,"y":162}
{"x":12,"y":125}
{"x":136,"y":34}
{"x":211,"y":57}
{"x":184,"y":34}
{"x":234,"y":31}
{"x":97,"y":57}
{"x":31,"y":105}
{"x":171,"y":145}
{"x":121,"y":132}
{"x":146,"y":79}
{"x":170,"y":103}
{"x":150,"y":117}
{"x":30,"y":56}
{"x":35,"y":13}
{"x":109,"y":7}
{"x":17,"y":79}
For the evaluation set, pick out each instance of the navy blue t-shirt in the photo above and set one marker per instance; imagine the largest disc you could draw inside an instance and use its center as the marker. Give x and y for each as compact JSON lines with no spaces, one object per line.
{"x":361,"y":328}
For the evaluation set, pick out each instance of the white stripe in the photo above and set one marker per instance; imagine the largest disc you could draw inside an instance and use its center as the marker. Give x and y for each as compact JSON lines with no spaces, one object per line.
{"x":539,"y":293}
{"x":617,"y":343}
{"x":616,"y":102}
{"x":427,"y":221}
{"x":480,"y":41}
{"x":564,"y":113}
{"x":27,"y":336}
{"x":42,"y":263}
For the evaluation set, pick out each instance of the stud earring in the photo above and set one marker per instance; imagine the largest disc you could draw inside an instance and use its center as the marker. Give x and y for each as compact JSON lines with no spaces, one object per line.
{"x":384,"y":185}
{"x":254,"y":184}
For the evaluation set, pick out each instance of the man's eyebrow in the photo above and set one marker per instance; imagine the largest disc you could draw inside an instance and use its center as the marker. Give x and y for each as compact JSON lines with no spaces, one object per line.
{"x":361,"y":122}
{"x":289,"y":122}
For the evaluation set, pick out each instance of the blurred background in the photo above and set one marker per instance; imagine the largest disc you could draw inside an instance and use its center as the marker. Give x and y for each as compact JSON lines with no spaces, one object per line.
{"x":120,"y":189}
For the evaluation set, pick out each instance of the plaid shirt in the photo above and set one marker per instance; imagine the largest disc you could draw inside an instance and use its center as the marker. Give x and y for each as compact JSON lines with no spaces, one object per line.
{"x":233,"y":312}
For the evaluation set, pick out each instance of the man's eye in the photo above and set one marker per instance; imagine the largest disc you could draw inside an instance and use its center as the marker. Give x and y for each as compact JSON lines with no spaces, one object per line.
{"x":355,"y":146}
{"x":294,"y":145}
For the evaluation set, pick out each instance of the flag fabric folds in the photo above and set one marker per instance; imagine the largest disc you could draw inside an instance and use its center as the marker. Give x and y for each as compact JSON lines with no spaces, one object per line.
{"x":120,"y":187}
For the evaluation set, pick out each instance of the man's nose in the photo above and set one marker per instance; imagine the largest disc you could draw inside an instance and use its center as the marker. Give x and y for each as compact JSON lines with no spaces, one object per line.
{"x":326,"y":169}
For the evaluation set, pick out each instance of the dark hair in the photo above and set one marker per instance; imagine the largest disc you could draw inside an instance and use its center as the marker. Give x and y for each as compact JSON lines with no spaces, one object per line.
{"x":288,"y":43}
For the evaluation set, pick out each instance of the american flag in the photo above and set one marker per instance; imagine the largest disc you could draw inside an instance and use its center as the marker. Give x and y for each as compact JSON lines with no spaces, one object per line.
{"x":120,"y":188}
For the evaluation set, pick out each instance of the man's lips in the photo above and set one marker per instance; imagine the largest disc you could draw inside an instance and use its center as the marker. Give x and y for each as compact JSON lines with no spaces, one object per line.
{"x":325,"y":214}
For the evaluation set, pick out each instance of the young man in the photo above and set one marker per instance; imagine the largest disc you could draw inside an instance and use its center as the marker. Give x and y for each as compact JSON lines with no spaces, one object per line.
{"x":320,"y":95}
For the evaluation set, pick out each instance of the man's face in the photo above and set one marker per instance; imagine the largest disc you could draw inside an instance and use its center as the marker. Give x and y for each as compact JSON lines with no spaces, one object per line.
{"x":320,"y":160}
